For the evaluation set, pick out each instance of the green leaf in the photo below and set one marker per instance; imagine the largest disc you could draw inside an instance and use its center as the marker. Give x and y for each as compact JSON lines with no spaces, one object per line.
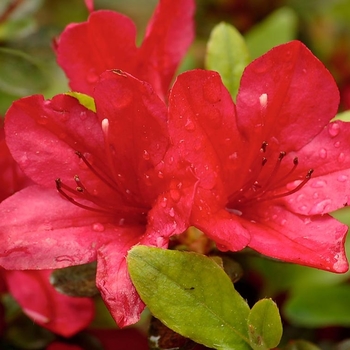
{"x":20,"y":75}
{"x":319,"y":306}
{"x":264,"y":325}
{"x":191,"y":295}
{"x":278,"y":28}
{"x":300,"y":345}
{"x":85,"y":100}
{"x":343,"y":116}
{"x":227,"y":54}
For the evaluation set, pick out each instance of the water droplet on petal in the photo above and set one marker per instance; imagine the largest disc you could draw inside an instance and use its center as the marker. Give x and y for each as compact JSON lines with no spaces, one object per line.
{"x":164,"y":202}
{"x":92,"y":76}
{"x":303,"y":208}
{"x":190,"y":126}
{"x":42,"y":120}
{"x":160,"y":174}
{"x":145,"y":155}
{"x":320,"y":207}
{"x":341,"y":157}
{"x":322,"y":153}
{"x":175,"y":195}
{"x":98,"y":227}
{"x":333,"y":129}
{"x":83,"y":115}
{"x":342,"y":178}
{"x":283,"y":222}
{"x":36,"y":316}
{"x":315,"y":195}
{"x":172,"y":212}
{"x":171,"y":160}
{"x":318,"y":183}
{"x":337,"y":144}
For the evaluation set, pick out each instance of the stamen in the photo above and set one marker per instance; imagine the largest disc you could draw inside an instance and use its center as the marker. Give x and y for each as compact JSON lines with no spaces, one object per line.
{"x":60,"y":185}
{"x":264,"y":147}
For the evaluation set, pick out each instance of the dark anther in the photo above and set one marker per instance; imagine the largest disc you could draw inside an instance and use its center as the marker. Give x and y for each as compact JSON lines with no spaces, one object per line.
{"x":282,"y":155}
{"x":264,"y":160}
{"x":263,"y":147}
{"x":296,"y":161}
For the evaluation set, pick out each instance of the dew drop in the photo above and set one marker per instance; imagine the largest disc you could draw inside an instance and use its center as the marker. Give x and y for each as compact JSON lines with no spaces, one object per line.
{"x":36,"y":316}
{"x":172,"y":212}
{"x":83,"y":115}
{"x":175,"y":195}
{"x":341,"y":157}
{"x":342,"y":178}
{"x":320,"y":207}
{"x":283,"y":222}
{"x":42,"y":120}
{"x":322,"y":153}
{"x":333,"y":129}
{"x":92,"y":76}
{"x":98,"y":227}
{"x":318,"y":183}
{"x":337,"y":144}
{"x":303,"y":208}
{"x":171,"y":160}
{"x":315,"y":195}
{"x":190,"y":126}
{"x":145,"y":155}
{"x":164,"y":202}
{"x":160,"y":174}
{"x":64,"y":258}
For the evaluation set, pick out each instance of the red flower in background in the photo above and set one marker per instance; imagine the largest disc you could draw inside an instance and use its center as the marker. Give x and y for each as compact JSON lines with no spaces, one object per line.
{"x":118,"y":176}
{"x":271,"y":167}
{"x":107,"y":41}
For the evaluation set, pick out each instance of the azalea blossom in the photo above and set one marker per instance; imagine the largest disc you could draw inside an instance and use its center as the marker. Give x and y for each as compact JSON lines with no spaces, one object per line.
{"x":107,"y":40}
{"x":32,"y":289}
{"x":272,"y":166}
{"x":105,"y":181}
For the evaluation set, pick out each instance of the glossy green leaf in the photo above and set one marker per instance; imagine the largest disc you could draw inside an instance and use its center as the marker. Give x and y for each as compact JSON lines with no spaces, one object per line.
{"x":319,"y":306}
{"x":85,"y":100}
{"x":227,"y":54}
{"x":300,"y":345}
{"x":20,"y":75}
{"x":192,"y":295}
{"x":264,"y":325}
{"x":278,"y":28}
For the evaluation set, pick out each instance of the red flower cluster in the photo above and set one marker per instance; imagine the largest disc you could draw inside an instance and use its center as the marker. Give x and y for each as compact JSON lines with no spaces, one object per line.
{"x":128,"y":169}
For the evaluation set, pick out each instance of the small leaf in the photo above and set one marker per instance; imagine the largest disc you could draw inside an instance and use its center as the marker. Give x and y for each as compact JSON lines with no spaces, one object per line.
{"x":191,"y":295}
{"x":85,"y":100}
{"x":319,"y":306}
{"x":276,"y":29}
{"x":227,"y":54}
{"x":264,"y":325}
{"x":343,"y":116}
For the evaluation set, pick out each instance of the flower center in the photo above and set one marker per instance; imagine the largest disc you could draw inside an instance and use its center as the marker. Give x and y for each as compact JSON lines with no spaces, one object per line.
{"x":117,"y":205}
{"x":263,"y":182}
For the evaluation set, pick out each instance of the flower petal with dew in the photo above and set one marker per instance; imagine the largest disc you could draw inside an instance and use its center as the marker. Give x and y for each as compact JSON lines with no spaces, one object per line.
{"x":120,"y":181}
{"x":107,"y":41}
{"x":272,"y":166}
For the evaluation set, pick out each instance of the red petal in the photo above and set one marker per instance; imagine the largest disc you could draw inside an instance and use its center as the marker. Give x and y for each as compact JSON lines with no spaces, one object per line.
{"x":286,"y":95}
{"x":41,"y":302}
{"x":329,"y":187}
{"x":137,"y":131}
{"x":316,"y":241}
{"x":168,"y":36}
{"x":85,"y":50}
{"x":40,"y":230}
{"x":113,"y":279}
{"x":203,"y":128}
{"x":43,"y":137}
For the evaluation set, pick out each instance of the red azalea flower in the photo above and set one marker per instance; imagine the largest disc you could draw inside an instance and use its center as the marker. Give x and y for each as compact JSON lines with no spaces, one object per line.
{"x":271,"y":167}
{"x":119,"y":182}
{"x":107,"y":41}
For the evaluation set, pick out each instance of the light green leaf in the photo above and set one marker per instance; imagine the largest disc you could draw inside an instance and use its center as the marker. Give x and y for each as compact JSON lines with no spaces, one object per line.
{"x":227,"y":54}
{"x":85,"y":100}
{"x":278,"y":28}
{"x":192,"y":295}
{"x":343,"y":116}
{"x":319,"y":306}
{"x":264,"y":325}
